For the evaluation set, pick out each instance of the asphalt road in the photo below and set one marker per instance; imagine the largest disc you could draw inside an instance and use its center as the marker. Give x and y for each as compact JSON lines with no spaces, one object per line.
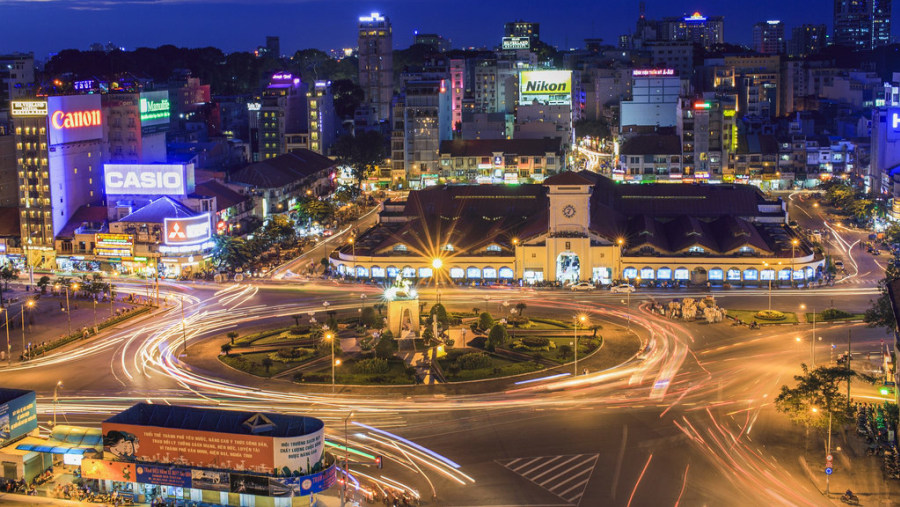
{"x":690,"y":421}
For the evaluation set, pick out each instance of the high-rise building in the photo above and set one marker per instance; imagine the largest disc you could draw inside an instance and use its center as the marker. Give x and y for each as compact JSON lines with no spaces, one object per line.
{"x":706,"y":127}
{"x":457,"y":90}
{"x":376,"y":66}
{"x":135,"y":126}
{"x":768,"y":37}
{"x":273,"y":46}
{"x":807,"y":40}
{"x":707,"y":31}
{"x":59,"y":151}
{"x":280,"y":111}
{"x":16,"y":82}
{"x":433,"y":41}
{"x":320,"y":123}
{"x":523,"y":29}
{"x":421,"y":121}
{"x":654,"y":99}
{"x":862,"y":24}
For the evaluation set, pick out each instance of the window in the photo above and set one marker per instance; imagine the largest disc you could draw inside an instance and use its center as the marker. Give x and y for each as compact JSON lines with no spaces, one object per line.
{"x":490,"y":273}
{"x":767,"y":274}
{"x":473,"y":273}
{"x":630,"y":273}
{"x":493,"y":247}
{"x":751,"y":274}
{"x":716,"y":274}
{"x":506,"y":273}
{"x":400,"y":248}
{"x":377,"y":272}
{"x":664,"y":274}
{"x":734,"y":274}
{"x":425,"y":273}
{"x":456,"y":273}
{"x":647,"y":273}
{"x":682,"y":274}
{"x":409,"y":272}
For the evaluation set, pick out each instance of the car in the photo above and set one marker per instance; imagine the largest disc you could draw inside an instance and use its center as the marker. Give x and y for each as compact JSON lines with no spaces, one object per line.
{"x":583,"y":286}
{"x":622,"y":288}
{"x":793,"y":223}
{"x":839,"y":264}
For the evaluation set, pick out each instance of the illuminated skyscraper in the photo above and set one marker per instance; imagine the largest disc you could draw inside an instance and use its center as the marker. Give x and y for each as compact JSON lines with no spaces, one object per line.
{"x":862,"y":24}
{"x":376,"y":65}
{"x":768,"y":37}
{"x":807,"y":40}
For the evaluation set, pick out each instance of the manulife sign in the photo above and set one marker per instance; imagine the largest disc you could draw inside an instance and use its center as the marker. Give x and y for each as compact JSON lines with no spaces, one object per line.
{"x":152,"y":110}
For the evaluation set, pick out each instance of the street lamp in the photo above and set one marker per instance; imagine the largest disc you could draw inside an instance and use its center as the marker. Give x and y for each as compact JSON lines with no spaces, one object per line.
{"x":330,"y":338}
{"x":620,"y":242}
{"x":766,"y":264}
{"x":436,"y":265}
{"x":29,"y":304}
{"x":8,"y":346}
{"x":794,"y":243}
{"x":353,"y":246}
{"x":581,"y":318}
{"x":812,"y":343}
{"x":515,"y":242}
{"x":56,"y":400}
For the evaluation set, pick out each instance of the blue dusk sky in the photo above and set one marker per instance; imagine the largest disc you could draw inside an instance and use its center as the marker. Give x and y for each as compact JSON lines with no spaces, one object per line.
{"x":46,"y":26}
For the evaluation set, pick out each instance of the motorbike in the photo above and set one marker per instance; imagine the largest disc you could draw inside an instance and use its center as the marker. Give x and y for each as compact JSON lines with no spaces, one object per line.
{"x":850,"y":499}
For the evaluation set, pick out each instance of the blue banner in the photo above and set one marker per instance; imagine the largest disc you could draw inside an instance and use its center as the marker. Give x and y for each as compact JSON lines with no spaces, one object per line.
{"x":304,"y":485}
{"x":164,"y":476}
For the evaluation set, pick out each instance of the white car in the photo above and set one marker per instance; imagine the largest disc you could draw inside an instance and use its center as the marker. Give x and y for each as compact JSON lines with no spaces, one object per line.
{"x":583,"y":286}
{"x":622,"y":288}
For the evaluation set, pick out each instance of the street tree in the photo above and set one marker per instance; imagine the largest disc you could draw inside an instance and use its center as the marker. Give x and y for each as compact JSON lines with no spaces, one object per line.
{"x":881,"y":312}
{"x":520,"y":308}
{"x":368,"y":317}
{"x":42,"y":283}
{"x":267,"y":363}
{"x":485,"y":321}
{"x":231,"y":336}
{"x":7,"y":274}
{"x":439,"y":313}
{"x":226,"y":349}
{"x":386,"y":346}
{"x":498,"y":335}
{"x":362,"y":152}
{"x":230,"y":252}
{"x":821,"y":389}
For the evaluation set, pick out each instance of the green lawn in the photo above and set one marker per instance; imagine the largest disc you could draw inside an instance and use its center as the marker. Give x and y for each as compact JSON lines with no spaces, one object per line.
{"x":269,"y":337}
{"x":344,"y":374}
{"x":819,"y":318}
{"x":500,"y":367}
{"x":748,"y":316}
{"x":251,"y":362}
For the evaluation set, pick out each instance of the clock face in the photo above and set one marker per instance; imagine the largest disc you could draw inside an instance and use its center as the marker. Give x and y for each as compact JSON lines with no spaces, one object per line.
{"x":569,"y":211}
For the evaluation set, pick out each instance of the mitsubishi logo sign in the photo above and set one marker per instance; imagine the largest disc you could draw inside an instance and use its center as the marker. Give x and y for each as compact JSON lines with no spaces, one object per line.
{"x":187,"y":231}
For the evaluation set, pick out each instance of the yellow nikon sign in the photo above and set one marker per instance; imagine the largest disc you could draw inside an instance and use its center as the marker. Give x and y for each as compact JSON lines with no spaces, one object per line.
{"x":545,"y":86}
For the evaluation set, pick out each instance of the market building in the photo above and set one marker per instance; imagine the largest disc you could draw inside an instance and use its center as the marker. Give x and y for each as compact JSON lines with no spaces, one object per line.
{"x":213,"y":456}
{"x":582,"y":226}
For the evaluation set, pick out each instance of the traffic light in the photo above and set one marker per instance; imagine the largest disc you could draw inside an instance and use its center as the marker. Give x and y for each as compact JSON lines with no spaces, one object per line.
{"x":379,"y":462}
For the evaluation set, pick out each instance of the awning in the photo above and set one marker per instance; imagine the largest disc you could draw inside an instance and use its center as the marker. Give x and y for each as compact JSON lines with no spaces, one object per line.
{"x":66,"y":440}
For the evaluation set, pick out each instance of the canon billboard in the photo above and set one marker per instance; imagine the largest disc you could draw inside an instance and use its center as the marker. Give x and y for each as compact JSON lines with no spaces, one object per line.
{"x":74,"y":118}
{"x":148,"y":179}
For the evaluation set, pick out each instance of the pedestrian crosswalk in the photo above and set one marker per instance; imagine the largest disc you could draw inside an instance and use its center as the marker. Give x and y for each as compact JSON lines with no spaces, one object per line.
{"x":565,"y":476}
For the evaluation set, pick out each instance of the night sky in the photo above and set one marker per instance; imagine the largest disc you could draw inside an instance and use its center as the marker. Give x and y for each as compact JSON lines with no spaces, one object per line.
{"x":46,"y":26}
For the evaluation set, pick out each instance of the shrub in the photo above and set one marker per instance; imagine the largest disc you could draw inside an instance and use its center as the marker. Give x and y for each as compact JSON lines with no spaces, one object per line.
{"x":368,"y":317}
{"x":299,"y":330}
{"x":564,"y":351}
{"x":475,"y":361}
{"x":770,"y":315}
{"x":535,"y":341}
{"x":373,"y":366}
{"x":835,"y":314}
{"x":485,"y":321}
{"x":439,"y":313}
{"x":498,"y":335}
{"x":386,"y":346}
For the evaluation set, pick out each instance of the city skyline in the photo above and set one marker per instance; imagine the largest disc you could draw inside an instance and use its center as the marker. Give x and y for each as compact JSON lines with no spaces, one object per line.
{"x":76,"y":24}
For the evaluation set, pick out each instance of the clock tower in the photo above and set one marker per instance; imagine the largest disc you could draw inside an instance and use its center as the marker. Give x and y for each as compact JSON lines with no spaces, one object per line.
{"x":570,"y":203}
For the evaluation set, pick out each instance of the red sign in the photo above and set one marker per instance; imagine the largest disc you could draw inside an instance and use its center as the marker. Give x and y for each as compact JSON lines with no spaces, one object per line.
{"x":76,"y":119}
{"x":105,"y":469}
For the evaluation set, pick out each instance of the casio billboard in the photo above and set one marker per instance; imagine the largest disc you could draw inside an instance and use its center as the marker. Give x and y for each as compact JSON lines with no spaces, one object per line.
{"x":75,"y":118}
{"x":148,"y":179}
{"x":187,"y":231}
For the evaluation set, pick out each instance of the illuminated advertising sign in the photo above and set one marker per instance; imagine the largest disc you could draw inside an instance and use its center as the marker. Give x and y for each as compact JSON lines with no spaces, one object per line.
{"x":28,"y":108}
{"x":154,"y":108}
{"x":893,"y":123}
{"x":106,"y":469}
{"x":653,"y":72}
{"x":148,"y":179}
{"x":85,"y":85}
{"x":254,"y":106}
{"x":18,"y":416}
{"x":553,"y":87}
{"x":511,"y":43}
{"x":211,"y":449}
{"x":187,"y":231}
{"x":75,"y":118}
{"x":113,"y":245}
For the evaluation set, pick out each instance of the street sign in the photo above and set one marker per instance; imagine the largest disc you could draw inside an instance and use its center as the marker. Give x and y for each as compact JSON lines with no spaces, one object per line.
{"x":829,"y":458}
{"x":828,"y":470}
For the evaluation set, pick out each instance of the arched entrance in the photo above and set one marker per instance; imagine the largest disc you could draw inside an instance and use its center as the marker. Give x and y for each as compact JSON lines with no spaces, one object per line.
{"x":568,"y":268}
{"x":698,"y":275}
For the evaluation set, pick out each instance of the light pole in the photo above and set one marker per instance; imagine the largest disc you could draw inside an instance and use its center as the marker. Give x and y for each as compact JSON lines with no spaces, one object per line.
{"x":346,"y":459}
{"x":94,"y":300}
{"x":515,"y":242}
{"x":828,"y":445}
{"x":68,"y":314}
{"x":29,"y":304}
{"x":330,"y":338}
{"x":56,"y":400}
{"x":620,"y":242}
{"x":812,"y":344}
{"x":582,"y":319}
{"x":794,"y":243}
{"x":353,"y":246}
{"x":183,"y":329}
{"x":8,"y":346}
{"x":436,"y":265}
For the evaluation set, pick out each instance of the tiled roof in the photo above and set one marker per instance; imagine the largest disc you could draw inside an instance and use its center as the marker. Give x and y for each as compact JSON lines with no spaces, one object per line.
{"x":84,"y":215}
{"x":157,"y":211}
{"x":225,"y":197}
{"x":284,"y":169}
{"x":487,"y":147}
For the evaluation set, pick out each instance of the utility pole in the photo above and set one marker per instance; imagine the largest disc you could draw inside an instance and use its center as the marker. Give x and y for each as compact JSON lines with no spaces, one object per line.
{"x":849,"y":355}
{"x":812,"y":346}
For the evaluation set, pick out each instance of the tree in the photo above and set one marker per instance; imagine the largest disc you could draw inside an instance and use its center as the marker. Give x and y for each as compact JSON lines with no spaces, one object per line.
{"x":439,"y":313}
{"x":267,"y":363}
{"x":279,"y":228}
{"x":485,"y":321}
{"x":226,"y":349}
{"x":312,"y":209}
{"x":232,"y":335}
{"x":230,"y":252}
{"x":386,"y":346}
{"x":520,"y":308}
{"x":43,"y":283}
{"x":881,"y":313}
{"x":820,"y":389}
{"x":8,"y":273}
{"x":368,"y":317}
{"x":498,"y":335}
{"x":362,"y":152}
{"x":564,"y":351}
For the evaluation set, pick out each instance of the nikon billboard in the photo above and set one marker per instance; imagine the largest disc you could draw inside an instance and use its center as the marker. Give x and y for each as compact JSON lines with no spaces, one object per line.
{"x":553,"y":87}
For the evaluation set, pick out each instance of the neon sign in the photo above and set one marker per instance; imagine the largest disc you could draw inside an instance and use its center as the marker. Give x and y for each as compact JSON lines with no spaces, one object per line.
{"x":75,"y":119}
{"x":653,"y":72}
{"x":154,"y":108}
{"x":695,"y":17}
{"x":702,"y":105}
{"x":187,"y":231}
{"x":28,"y":108}
{"x":893,"y":124}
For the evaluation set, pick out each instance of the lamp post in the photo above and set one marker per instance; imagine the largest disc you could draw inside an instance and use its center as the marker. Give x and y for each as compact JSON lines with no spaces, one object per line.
{"x":8,"y":346}
{"x":515,"y":242}
{"x":346,"y":458}
{"x":94,"y":300}
{"x":582,"y":319}
{"x":183,"y":329}
{"x":620,"y":242}
{"x":29,"y":304}
{"x":812,"y":341}
{"x":353,"y":246}
{"x":436,"y":265}
{"x":766,"y":264}
{"x":56,"y":400}
{"x":68,"y":314}
{"x":794,"y":243}
{"x":828,"y":445}
{"x":330,"y":338}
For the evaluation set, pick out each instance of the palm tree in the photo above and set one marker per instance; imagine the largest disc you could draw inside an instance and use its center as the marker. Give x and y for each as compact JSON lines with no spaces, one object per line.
{"x":267,"y":363}
{"x":226,"y":348}
{"x":520,"y":308}
{"x":43,"y":283}
{"x":232,"y":335}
